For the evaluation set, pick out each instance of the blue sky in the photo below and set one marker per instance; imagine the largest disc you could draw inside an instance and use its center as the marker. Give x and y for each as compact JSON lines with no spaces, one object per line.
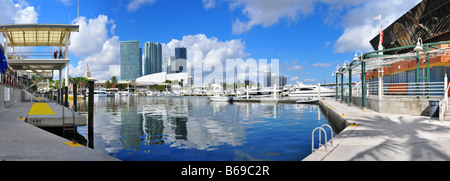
{"x":309,"y":37}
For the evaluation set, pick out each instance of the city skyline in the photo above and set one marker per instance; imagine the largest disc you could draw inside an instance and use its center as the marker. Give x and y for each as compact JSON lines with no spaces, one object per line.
{"x":309,"y":37}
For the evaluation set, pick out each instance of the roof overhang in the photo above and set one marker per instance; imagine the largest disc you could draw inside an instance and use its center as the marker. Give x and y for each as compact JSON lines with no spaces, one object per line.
{"x":37,"y":34}
{"x":38,"y":64}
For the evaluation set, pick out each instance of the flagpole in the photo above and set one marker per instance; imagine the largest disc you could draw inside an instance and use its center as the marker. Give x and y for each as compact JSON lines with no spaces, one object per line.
{"x":380,"y":45}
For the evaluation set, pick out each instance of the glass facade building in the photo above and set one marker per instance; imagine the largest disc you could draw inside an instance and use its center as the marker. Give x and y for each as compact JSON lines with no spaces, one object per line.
{"x":130,"y":60}
{"x":152,"y":58}
{"x":180,"y":53}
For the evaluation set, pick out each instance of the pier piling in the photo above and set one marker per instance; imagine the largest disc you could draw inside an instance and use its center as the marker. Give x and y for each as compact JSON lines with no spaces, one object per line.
{"x":66,"y":92}
{"x":91,"y":114}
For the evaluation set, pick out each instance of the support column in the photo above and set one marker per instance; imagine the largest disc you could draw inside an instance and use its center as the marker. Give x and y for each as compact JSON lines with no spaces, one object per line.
{"x":417,"y":76}
{"x":428,"y":75}
{"x":363,"y":74}
{"x":337,"y":86}
{"x":350,"y":101}
{"x":5,"y":51}
{"x":66,"y":53}
{"x":342,"y":87}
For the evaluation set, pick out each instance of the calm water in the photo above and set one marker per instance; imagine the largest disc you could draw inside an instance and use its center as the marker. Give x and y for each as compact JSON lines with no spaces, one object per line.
{"x":191,"y":128}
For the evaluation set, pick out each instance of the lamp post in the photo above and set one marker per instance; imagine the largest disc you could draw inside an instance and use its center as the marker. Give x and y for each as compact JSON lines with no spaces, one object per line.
{"x":363,"y":77}
{"x":418,"y":49}
{"x":332,"y":74}
{"x":349,"y":68}
{"x":342,"y":82}
{"x":337,"y":73}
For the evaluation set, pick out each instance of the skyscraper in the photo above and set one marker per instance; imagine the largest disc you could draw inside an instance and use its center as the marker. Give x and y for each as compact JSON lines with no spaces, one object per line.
{"x":180,"y":53}
{"x":179,"y":64}
{"x":130,"y":60}
{"x":152,"y":58}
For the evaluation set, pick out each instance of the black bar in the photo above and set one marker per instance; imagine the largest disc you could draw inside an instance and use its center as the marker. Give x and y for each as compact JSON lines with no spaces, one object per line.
{"x":66,"y":103}
{"x":75,"y":97}
{"x":91,"y":114}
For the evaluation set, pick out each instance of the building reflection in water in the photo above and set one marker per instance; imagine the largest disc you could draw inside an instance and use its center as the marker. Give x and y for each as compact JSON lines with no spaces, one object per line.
{"x":126,"y":125}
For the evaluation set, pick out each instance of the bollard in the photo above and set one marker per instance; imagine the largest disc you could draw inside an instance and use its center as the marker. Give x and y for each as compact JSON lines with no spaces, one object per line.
{"x":91,"y":114}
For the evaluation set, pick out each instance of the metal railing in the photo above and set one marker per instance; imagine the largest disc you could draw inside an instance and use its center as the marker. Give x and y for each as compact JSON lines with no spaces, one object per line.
{"x":320,"y":137}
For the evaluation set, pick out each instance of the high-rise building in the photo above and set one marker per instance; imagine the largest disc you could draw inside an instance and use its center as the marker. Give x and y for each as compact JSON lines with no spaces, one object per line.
{"x":267,"y":82}
{"x":168,"y":62}
{"x":130,"y":60}
{"x":180,"y":53}
{"x":152,"y":58}
{"x":180,"y":62}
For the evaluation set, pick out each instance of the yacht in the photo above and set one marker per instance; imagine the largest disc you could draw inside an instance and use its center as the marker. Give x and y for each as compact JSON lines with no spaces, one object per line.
{"x":262,"y":92}
{"x":98,"y":93}
{"x":220,"y":98}
{"x":302,"y":90}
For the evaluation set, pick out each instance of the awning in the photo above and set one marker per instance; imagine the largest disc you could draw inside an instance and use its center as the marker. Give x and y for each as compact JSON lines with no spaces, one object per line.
{"x":37,"y":34}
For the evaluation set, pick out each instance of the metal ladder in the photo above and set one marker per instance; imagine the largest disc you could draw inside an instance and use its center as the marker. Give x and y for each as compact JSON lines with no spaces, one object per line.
{"x":69,"y":126}
{"x":320,"y":137}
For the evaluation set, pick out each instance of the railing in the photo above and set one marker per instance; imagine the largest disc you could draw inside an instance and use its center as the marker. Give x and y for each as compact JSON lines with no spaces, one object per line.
{"x":443,"y":104}
{"x":320,"y":137}
{"x":35,"y":55}
{"x":413,"y":89}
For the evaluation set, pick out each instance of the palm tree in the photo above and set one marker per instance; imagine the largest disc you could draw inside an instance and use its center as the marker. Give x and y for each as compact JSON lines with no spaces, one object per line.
{"x":114,"y":81}
{"x":107,"y":84}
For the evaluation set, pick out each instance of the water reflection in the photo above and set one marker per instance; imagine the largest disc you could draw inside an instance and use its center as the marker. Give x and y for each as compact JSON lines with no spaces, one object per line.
{"x":183,"y":128}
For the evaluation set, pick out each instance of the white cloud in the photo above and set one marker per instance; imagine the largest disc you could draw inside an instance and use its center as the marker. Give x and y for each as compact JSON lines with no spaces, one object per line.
{"x":324,"y":65}
{"x":268,"y":12}
{"x":19,"y":13}
{"x":360,"y":26}
{"x":136,"y":4}
{"x":95,"y":48}
{"x":310,"y":80}
{"x":26,"y":16}
{"x":355,"y":16}
{"x":294,"y":78}
{"x":211,"y":48}
{"x":93,"y":33}
{"x":66,"y":2}
{"x":209,"y":3}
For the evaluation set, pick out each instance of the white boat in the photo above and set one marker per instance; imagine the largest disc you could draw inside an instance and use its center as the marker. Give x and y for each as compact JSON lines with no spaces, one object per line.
{"x":262,"y":92}
{"x":302,"y":90}
{"x":124,"y":93}
{"x":98,"y":93}
{"x":220,"y":98}
{"x":309,"y":100}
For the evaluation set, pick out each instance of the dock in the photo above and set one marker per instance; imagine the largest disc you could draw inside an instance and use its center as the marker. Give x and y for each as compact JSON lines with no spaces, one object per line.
{"x":25,"y":142}
{"x":51,"y":114}
{"x":268,"y":100}
{"x":372,"y":136}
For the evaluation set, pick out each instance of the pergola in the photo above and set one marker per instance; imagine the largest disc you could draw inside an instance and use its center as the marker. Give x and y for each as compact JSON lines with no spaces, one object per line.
{"x":33,"y":35}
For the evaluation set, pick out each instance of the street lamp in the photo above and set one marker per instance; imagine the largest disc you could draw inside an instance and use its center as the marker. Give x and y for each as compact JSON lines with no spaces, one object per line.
{"x":419,"y":45}
{"x":363,"y":77}
{"x":349,"y":68}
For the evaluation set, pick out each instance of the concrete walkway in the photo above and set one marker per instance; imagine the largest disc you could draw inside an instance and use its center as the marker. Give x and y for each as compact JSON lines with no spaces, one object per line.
{"x":21,"y":141}
{"x":385,"y":137}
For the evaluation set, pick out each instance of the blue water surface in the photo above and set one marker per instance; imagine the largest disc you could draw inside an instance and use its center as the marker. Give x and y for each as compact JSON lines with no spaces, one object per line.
{"x":194,"y":129}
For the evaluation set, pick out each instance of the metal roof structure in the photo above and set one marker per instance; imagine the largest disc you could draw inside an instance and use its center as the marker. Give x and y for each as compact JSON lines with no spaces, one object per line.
{"x":32,"y":35}
{"x":37,"y":34}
